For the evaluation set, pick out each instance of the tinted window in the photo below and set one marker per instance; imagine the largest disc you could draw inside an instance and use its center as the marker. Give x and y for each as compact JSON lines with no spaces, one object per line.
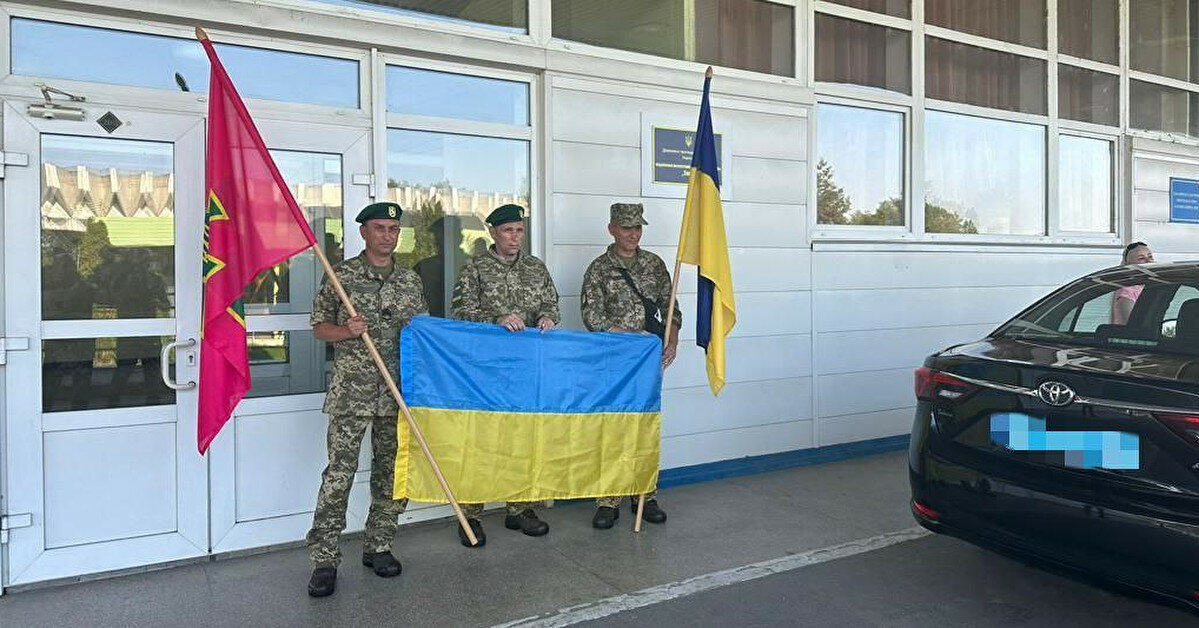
{"x":1152,"y":308}
{"x":53,"y":50}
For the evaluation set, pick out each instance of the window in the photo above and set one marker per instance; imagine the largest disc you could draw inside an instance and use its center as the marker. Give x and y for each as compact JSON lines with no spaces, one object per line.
{"x":897,"y":8}
{"x":860,"y":173}
{"x":1170,"y":319}
{"x":988,"y":78}
{"x":1156,"y":107}
{"x":983,"y":176}
{"x":445,"y":95}
{"x":1087,"y":312}
{"x":849,"y":51}
{"x":747,"y":34}
{"x":1088,"y":96}
{"x":1163,"y":37}
{"x":108,"y":228}
{"x":448,"y":184}
{"x":1088,"y":29}
{"x":447,"y":177}
{"x":1016,"y":21}
{"x":50,"y":50}
{"x":1085,"y":184}
{"x":508,"y":15}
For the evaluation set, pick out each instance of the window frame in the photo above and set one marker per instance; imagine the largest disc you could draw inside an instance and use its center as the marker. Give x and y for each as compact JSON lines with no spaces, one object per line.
{"x":918,"y":104}
{"x":819,"y":230}
{"x":139,"y":95}
{"x":538,"y":222}
{"x":801,"y":30}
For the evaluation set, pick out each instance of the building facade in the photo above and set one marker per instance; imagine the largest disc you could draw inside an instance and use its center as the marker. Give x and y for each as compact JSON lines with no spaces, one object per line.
{"x":899,"y":176}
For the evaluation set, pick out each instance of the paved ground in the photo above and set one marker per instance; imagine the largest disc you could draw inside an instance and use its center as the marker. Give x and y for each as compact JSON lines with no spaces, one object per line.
{"x":932,"y":581}
{"x":714,"y":527}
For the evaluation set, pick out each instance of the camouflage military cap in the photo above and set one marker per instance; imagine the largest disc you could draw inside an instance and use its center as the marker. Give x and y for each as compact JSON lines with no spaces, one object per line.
{"x":505,"y":213}
{"x":628,"y":214}
{"x":385,"y":211}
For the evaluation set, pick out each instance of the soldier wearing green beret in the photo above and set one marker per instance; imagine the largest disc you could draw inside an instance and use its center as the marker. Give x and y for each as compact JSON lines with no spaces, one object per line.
{"x":627,"y":289}
{"x":512,"y":289}
{"x":386,"y":297}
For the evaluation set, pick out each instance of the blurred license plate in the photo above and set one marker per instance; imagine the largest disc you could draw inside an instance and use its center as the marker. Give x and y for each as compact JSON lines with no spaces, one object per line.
{"x":1080,"y":449}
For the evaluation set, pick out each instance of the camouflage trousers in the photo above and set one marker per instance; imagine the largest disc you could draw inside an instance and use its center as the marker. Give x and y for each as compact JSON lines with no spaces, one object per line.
{"x":614,"y":502}
{"x":472,"y":511}
{"x":343,"y":444}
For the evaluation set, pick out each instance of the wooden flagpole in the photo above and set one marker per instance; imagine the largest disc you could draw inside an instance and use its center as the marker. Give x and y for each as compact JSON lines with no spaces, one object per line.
{"x":674,"y":293}
{"x":387,"y":378}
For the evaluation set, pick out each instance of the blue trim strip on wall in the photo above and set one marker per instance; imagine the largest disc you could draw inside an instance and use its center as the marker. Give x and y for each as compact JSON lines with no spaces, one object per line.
{"x":784,"y":460}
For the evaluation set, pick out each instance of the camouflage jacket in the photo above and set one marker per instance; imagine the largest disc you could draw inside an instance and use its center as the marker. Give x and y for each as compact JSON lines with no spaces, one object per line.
{"x":609,"y":302}
{"x":489,"y":288}
{"x":387,"y":304}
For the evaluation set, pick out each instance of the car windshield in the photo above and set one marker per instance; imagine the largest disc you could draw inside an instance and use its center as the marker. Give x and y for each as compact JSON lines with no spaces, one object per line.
{"x":1153,"y":307}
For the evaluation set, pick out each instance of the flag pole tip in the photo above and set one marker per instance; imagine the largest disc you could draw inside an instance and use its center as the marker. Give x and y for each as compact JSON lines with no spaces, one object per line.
{"x":707,"y":73}
{"x":201,"y":34}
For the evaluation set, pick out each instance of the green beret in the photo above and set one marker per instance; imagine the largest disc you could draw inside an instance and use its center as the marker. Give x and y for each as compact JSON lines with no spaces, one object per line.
{"x":505,"y":213}
{"x":386,"y":211}
{"x":627,"y":214}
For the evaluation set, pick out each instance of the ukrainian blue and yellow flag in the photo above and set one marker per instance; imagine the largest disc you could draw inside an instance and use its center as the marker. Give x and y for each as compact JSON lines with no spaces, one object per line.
{"x":528,"y":416}
{"x":702,"y":243}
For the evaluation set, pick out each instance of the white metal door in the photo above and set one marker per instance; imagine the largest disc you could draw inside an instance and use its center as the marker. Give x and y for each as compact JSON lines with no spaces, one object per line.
{"x":102,"y":242}
{"x":266,"y":463}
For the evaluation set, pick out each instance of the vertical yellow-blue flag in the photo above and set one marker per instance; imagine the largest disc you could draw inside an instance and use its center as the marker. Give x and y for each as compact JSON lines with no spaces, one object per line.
{"x":702,"y":243}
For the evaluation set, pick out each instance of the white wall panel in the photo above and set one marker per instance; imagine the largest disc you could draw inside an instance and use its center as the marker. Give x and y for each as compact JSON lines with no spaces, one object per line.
{"x":869,"y":391}
{"x":1169,"y":237}
{"x":583,"y":219}
{"x":766,"y":135}
{"x":746,"y":359}
{"x":695,"y":410}
{"x":834,"y":270}
{"x":693,"y":449}
{"x":860,"y":310}
{"x":1151,"y":205}
{"x":1154,"y":174}
{"x":758,"y":314}
{"x":596,"y":169}
{"x":848,"y":352}
{"x":757,"y":180}
{"x":109,"y":483}
{"x":597,"y":118}
{"x":856,"y":427}
{"x":754,"y":269}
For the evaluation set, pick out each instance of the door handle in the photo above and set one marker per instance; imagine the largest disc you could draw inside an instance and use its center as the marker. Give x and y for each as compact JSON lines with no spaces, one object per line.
{"x":165,"y":364}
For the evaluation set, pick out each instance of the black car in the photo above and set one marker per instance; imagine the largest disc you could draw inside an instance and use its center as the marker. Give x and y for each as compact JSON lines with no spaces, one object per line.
{"x":1071,"y":433}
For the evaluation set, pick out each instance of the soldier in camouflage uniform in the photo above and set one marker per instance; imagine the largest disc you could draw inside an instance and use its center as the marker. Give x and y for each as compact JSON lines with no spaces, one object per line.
{"x":611,"y":303}
{"x":510,"y":288}
{"x":387,"y":297}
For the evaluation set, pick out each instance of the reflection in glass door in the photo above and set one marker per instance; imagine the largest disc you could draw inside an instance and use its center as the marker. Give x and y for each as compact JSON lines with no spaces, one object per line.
{"x":283,"y":360}
{"x":107,"y":254}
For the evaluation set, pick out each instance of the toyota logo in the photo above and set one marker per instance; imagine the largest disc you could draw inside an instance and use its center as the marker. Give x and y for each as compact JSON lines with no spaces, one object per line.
{"x":1055,"y":393}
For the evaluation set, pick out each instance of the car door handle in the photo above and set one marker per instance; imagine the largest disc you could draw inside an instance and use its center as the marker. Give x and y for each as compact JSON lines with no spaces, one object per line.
{"x":165,"y":364}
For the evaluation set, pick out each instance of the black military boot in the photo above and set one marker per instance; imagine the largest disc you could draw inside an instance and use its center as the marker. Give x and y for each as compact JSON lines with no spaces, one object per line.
{"x":383,"y":563}
{"x":476,"y":526}
{"x":323,"y":581}
{"x":652,"y":513}
{"x":605,"y":517}
{"x":527,"y":522}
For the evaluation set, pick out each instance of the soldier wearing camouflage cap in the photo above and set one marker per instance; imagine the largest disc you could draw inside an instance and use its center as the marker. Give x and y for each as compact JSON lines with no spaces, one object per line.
{"x":512,"y":289}
{"x":387,"y":297}
{"x":627,"y":289}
